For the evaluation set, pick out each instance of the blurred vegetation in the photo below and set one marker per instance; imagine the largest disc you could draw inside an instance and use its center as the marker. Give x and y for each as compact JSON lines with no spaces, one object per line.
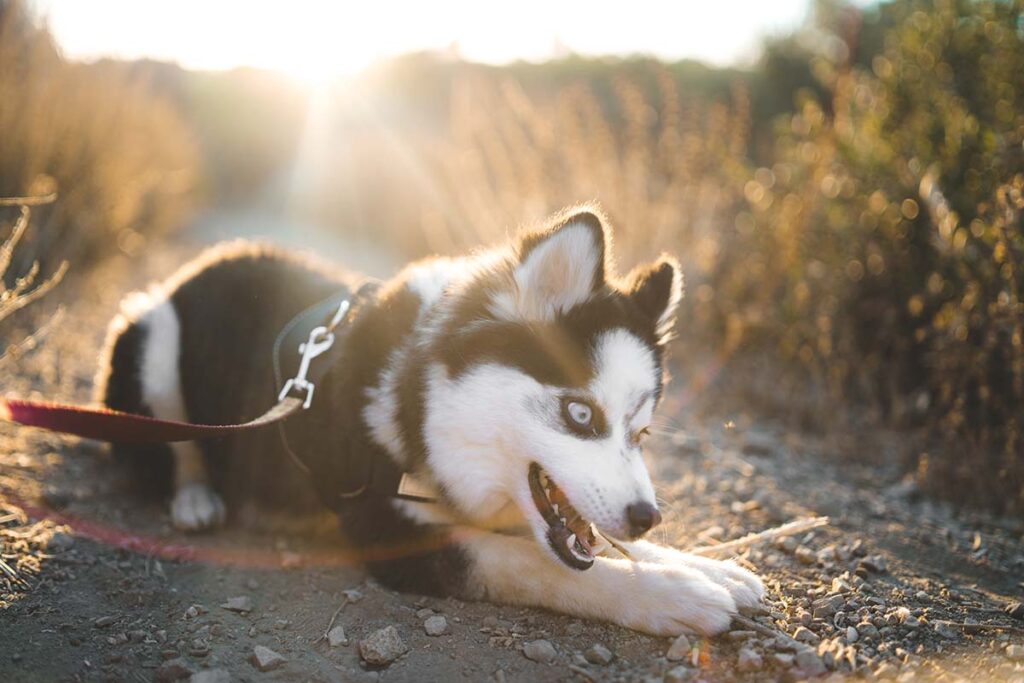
{"x":121,"y":160}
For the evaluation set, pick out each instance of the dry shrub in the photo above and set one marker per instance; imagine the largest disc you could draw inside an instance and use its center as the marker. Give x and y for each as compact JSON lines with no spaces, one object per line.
{"x":877,"y":257}
{"x":119,"y":157}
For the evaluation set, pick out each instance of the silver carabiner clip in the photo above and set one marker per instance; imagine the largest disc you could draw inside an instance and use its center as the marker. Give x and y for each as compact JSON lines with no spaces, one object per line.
{"x":320,"y":340}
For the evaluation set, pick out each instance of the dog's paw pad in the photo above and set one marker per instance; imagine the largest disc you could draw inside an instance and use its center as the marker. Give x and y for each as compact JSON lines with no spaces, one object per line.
{"x":196,"y":507}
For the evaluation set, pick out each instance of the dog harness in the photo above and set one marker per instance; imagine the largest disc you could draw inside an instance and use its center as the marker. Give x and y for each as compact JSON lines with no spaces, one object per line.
{"x":314,"y":333}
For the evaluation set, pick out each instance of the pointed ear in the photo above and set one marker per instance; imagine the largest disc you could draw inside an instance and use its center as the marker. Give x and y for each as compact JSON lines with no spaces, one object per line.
{"x":656,"y":289}
{"x":561,"y":267}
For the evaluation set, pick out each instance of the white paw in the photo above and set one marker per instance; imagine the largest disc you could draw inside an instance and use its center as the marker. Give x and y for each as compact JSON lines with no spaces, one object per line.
{"x":667,"y":600}
{"x":745,"y":587}
{"x":196,"y":507}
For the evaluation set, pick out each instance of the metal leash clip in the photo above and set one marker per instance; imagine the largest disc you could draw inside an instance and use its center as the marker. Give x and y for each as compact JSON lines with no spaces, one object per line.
{"x":321,"y":339}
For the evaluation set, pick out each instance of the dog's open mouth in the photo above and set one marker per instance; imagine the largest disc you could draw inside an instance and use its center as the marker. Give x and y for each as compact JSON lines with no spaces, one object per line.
{"x":571,"y":536}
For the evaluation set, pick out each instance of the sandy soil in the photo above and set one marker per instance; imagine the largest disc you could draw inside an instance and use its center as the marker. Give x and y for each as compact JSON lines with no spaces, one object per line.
{"x":100,"y":587}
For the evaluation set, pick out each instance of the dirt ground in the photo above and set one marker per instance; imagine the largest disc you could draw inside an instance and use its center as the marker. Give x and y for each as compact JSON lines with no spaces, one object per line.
{"x":96,"y":586}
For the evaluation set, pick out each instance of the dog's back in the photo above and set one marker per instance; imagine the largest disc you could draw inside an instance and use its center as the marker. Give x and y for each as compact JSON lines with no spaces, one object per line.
{"x":198,"y":348}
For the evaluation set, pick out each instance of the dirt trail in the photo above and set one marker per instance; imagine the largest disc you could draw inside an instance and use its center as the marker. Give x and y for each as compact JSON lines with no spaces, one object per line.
{"x":77,"y":605}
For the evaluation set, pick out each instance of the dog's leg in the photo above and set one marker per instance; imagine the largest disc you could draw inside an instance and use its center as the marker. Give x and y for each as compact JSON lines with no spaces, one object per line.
{"x":194,"y":506}
{"x":656,"y":598}
{"x":745,"y":587}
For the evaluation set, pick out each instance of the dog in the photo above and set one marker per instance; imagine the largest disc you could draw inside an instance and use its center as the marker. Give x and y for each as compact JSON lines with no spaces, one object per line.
{"x":516,"y":385}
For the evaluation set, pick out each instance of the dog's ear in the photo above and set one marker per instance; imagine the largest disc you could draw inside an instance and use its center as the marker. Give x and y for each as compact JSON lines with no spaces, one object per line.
{"x":560,"y":267}
{"x":656,"y":289}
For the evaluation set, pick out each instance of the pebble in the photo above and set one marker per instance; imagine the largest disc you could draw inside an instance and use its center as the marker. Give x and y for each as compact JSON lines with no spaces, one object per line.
{"x":826,"y":607}
{"x":946,"y":631}
{"x":172,"y":670}
{"x":783,"y":659}
{"x":336,"y":636}
{"x":104,"y":622}
{"x":867,"y":630}
{"x":809,"y":663}
{"x":211,"y":676}
{"x":598,"y":654}
{"x":805,"y":555}
{"x":740,"y":635}
{"x":852,"y":635}
{"x":242,"y":603}
{"x":679,"y":674}
{"x":265,"y":659}
{"x":875,"y":564}
{"x":679,"y":649}
{"x":435,"y":626}
{"x":1015,"y":652}
{"x":539,"y":651}
{"x":353,"y":595}
{"x":749,"y":660}
{"x":1016,"y":610}
{"x":194,"y":611}
{"x":382,"y":647}
{"x":424,"y":613}
{"x":805,"y":635}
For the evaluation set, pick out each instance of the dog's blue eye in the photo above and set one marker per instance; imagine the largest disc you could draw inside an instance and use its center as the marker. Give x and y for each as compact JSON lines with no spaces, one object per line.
{"x":581,"y":413}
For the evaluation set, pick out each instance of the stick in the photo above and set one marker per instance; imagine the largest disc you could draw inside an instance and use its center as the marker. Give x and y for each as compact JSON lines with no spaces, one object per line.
{"x":752,"y":625}
{"x":731,"y":547}
{"x":344,"y":601}
{"x":28,"y":201}
{"x":977,"y":628}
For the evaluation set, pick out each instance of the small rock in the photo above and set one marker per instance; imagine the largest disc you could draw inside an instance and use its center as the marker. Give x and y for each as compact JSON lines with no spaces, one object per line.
{"x":539,"y":651}
{"x":104,"y":622}
{"x":805,"y":555}
{"x":875,"y":564}
{"x":749,"y":660}
{"x":172,"y":670}
{"x":137,"y":636}
{"x":826,"y":607}
{"x":783,"y":659}
{"x":679,"y":674}
{"x":679,"y":649}
{"x":265,"y":659}
{"x":1016,"y":610}
{"x":435,"y":626}
{"x":242,"y":603}
{"x":805,"y":635}
{"x":809,"y":663}
{"x":740,"y":635}
{"x":194,"y":611}
{"x":353,"y":595}
{"x":424,"y":613}
{"x":211,"y":676}
{"x":1015,"y":652}
{"x":598,"y":654}
{"x":382,"y":647}
{"x":852,"y":635}
{"x":867,"y":630}
{"x":912,"y":622}
{"x":946,"y":631}
{"x":336,"y":636}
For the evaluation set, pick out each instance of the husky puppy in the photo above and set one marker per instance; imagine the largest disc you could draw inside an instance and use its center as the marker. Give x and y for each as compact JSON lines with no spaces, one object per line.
{"x":515,"y":384}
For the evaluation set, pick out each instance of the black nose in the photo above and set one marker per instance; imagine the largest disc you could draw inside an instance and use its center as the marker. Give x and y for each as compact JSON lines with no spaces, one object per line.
{"x":642,"y":517}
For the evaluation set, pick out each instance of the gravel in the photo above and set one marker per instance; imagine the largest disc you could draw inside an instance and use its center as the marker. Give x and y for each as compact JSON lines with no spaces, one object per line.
{"x":539,"y":651}
{"x":749,"y":660}
{"x":598,"y":654}
{"x":211,"y":676}
{"x":435,"y":626}
{"x":265,"y":659}
{"x":382,"y":647}
{"x":679,"y":649}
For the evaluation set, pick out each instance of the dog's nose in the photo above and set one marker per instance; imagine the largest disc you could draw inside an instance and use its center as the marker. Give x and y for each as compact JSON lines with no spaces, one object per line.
{"x":642,"y":517}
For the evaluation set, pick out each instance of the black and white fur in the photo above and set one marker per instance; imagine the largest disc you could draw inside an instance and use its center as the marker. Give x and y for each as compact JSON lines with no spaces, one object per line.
{"x":466,"y":372}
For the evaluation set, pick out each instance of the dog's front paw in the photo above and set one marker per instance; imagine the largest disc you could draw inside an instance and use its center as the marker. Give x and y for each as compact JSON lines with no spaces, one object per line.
{"x":667,"y":600}
{"x":745,"y":587}
{"x":196,"y":507}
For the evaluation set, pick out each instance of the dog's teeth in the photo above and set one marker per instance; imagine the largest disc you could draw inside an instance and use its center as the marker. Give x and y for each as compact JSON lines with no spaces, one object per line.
{"x":562,"y":520}
{"x":571,"y":542}
{"x":554,"y":506}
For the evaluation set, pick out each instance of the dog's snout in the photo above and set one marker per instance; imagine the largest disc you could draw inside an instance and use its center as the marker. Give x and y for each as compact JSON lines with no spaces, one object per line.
{"x":642,"y":517}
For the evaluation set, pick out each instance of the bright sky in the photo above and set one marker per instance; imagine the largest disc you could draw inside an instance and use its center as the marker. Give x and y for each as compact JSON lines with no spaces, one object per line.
{"x":315,"y":40}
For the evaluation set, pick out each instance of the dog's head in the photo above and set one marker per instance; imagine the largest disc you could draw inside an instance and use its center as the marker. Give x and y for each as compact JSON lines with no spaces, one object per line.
{"x":549,"y":369}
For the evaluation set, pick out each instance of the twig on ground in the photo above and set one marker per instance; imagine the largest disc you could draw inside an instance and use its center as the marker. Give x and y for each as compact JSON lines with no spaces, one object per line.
{"x":978,"y":628}
{"x":751,"y":625}
{"x":732,"y":547}
{"x":334,"y":617}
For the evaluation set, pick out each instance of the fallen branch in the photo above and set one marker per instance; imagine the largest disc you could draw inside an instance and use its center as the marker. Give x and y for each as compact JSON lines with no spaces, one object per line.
{"x":732,"y":547}
{"x":978,"y":628}
{"x":39,"y":200}
{"x":751,"y":625}
{"x":334,"y":617}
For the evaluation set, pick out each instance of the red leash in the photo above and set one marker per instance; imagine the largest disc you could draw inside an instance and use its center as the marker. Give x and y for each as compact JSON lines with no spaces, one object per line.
{"x":110,"y":425}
